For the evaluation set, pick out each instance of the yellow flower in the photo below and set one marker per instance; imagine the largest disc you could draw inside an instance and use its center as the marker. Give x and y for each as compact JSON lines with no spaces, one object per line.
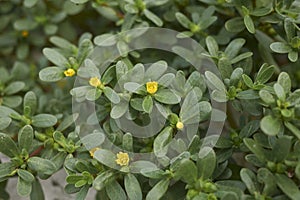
{"x":179,"y":125}
{"x":95,"y":82}
{"x":25,"y":33}
{"x":122,"y":159}
{"x":151,"y":87}
{"x":93,"y":150}
{"x":69,"y":72}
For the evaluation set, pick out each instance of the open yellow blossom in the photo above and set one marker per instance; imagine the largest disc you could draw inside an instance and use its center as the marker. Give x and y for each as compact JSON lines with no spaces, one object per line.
{"x":152,"y":87}
{"x":93,"y":150}
{"x":122,"y":159}
{"x":95,"y":82}
{"x":179,"y":125}
{"x":25,"y":33}
{"x":69,"y":72}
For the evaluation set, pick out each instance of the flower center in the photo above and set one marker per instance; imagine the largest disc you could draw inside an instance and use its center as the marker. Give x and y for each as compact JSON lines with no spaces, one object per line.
{"x":69,"y":72}
{"x":122,"y":159}
{"x":152,"y":87}
{"x":95,"y":82}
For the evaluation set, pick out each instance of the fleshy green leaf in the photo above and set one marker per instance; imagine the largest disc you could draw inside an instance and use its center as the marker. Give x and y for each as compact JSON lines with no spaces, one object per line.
{"x":25,"y":137}
{"x":8,"y":146}
{"x":44,"y":120}
{"x":41,"y":165}
{"x":115,"y":191}
{"x":55,"y":57}
{"x":158,"y":190}
{"x":288,"y":186}
{"x":270,"y":125}
{"x":132,"y":187}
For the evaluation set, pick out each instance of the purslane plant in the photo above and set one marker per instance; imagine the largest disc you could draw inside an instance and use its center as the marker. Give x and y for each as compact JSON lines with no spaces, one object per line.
{"x":56,"y":66}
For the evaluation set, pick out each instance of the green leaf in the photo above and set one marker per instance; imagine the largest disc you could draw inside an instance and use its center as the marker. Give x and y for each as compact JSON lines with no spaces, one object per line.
{"x":241,"y":57}
{"x":255,"y":148}
{"x":111,"y":95}
{"x":62,"y":43}
{"x":235,"y":25}
{"x":187,"y":171}
{"x":249,"y":178}
{"x":293,"y":129}
{"x":23,"y":187}
{"x":115,"y":191}
{"x":280,"y":47}
{"x":14,"y":87}
{"x":247,"y":94}
{"x":4,"y":122}
{"x":214,"y":81}
{"x":138,"y":166}
{"x":206,"y":163}
{"x":44,"y":120}
{"x":67,"y":121}
{"x":166,"y":80}
{"x":25,"y":175}
{"x":81,"y":195}
{"x":24,"y":24}
{"x":6,"y":169}
{"x":234,"y":47}
{"x":25,"y":137}
{"x":225,"y":67}
{"x":51,"y":74}
{"x":249,"y":129}
{"x":123,"y":48}
{"x":127,"y":142}
{"x":154,"y":18}
{"x":267,"y":97}
{"x":293,"y":56}
{"x":93,"y":94}
{"x":55,"y":57}
{"x":266,"y":177}
{"x":105,"y":157}
{"x":12,"y":101}
{"x":37,"y":192}
{"x":30,"y":101}
{"x":30,"y":3}
{"x":281,"y":148}
{"x":279,"y":90}
{"x":132,"y":187}
{"x":249,"y":24}
{"x":264,"y":73}
{"x":288,"y":186}
{"x":79,"y":1}
{"x":212,"y":46}
{"x":84,"y":50}
{"x":41,"y":165}
{"x":102,"y":180}
{"x":147,"y":104}
{"x":108,"y":75}
{"x":93,"y":140}
{"x":289,"y":28}
{"x":106,"y":39}
{"x":247,"y":80}
{"x":161,"y":142}
{"x":285,"y":81}
{"x":183,"y":20}
{"x":158,"y":190}
{"x":8,"y":146}
{"x":119,"y":110}
{"x":219,"y":96}
{"x":166,"y":96}
{"x":270,"y":125}
{"x":156,"y":70}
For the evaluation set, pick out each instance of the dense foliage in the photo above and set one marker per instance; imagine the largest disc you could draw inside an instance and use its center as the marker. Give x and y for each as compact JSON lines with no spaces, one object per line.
{"x":60,"y":59}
